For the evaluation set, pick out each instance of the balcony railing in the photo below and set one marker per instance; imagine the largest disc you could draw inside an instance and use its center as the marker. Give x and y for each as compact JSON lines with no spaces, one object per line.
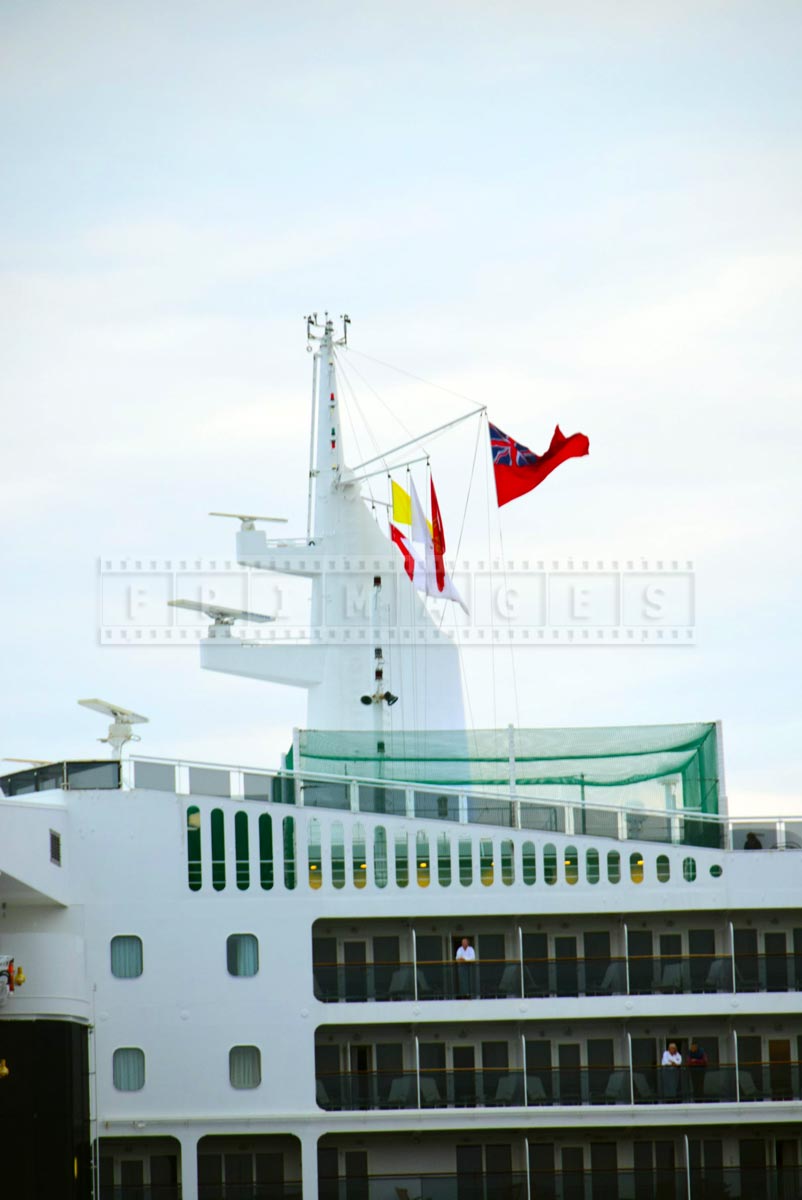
{"x":490,"y":1186}
{"x":730,"y":1183}
{"x":558,"y":1086}
{"x":290,"y":1190}
{"x":527,"y":978}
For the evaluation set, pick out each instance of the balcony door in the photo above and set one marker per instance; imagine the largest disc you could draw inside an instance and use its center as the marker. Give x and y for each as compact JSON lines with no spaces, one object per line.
{"x":355,"y":957}
{"x":780,"y":1080}
{"x":357,"y":1186}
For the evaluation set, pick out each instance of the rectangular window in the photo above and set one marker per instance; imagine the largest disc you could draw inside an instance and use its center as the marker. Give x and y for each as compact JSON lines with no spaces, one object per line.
{"x":55,"y":847}
{"x":128,"y":1069}
{"x":209,"y":781}
{"x":245,"y":1067}
{"x":126,"y":956}
{"x":91,"y":776}
{"x":155,"y":777}
{"x":242,"y":954}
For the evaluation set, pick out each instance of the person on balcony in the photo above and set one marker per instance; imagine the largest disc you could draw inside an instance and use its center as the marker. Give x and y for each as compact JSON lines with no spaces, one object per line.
{"x":466,"y":968}
{"x":671,"y":1062}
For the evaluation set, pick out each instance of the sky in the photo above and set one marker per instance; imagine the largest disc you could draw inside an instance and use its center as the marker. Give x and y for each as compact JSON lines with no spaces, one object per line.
{"x":576,"y":213}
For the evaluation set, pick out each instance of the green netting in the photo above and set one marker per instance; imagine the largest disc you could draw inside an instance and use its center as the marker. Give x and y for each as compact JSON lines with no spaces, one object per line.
{"x":630,"y":761}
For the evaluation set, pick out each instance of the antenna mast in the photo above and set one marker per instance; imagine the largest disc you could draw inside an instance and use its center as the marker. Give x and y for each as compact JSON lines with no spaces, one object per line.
{"x":321,"y":341}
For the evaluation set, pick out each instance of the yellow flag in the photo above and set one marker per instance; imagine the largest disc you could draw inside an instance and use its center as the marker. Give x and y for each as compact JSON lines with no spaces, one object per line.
{"x":402,"y":506}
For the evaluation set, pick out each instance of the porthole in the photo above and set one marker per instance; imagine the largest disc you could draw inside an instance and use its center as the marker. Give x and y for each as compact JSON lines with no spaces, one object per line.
{"x":716,"y":871}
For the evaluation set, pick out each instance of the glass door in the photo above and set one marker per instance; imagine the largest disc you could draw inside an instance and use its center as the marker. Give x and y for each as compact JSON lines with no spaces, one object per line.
{"x":355,"y":957}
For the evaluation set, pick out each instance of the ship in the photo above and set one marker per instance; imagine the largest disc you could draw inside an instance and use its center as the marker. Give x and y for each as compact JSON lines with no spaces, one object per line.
{"x":411,"y":961}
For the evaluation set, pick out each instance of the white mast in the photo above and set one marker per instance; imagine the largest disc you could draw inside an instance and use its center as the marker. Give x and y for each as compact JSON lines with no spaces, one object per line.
{"x":375,"y":658}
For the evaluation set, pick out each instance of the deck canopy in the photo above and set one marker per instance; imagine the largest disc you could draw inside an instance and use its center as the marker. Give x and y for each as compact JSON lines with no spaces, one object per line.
{"x":642,"y":766}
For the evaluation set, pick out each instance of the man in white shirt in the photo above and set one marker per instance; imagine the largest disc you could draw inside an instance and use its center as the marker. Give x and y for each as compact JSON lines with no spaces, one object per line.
{"x":671,"y":1056}
{"x":465,"y":952}
{"x":466,"y":957}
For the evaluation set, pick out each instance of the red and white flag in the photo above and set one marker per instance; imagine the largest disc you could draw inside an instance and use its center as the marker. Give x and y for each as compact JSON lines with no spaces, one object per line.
{"x":423,"y":550}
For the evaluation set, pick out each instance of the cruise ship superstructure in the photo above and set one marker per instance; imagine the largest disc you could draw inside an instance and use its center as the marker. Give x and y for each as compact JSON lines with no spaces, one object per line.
{"x":240,"y":982}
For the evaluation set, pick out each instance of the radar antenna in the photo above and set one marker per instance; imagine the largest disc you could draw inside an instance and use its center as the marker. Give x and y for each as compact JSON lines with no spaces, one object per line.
{"x":221,"y":617}
{"x":247,"y":519}
{"x":120,"y":729}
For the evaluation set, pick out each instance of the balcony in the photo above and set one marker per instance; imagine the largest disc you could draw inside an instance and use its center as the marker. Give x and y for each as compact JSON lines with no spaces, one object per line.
{"x":555,"y":977}
{"x":732,"y":1183}
{"x":579,"y":1086}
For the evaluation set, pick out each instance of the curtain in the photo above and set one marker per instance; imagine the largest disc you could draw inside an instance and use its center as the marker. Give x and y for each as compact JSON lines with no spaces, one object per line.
{"x":243,"y":954}
{"x":128,"y":1067}
{"x":126,"y":956}
{"x":245,"y":1066}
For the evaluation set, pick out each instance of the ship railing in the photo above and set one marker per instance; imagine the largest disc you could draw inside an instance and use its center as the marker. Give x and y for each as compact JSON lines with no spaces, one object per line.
{"x":579,"y":1183}
{"x":531,"y":978}
{"x":478,"y":1185}
{"x":380,"y":797}
{"x":572,"y":1086}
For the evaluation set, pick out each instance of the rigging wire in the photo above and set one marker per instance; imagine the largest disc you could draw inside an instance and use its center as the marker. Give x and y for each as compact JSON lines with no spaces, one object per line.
{"x":509,"y":641}
{"x":380,"y":398}
{"x":490,"y":576}
{"x":352,"y":423}
{"x":467,"y":499}
{"x":417,"y":378}
{"x":352,"y":390}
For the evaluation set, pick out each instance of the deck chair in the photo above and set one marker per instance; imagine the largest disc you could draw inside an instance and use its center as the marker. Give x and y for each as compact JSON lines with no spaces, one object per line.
{"x":429,"y":1093}
{"x":535,"y":1091}
{"x":510,"y":1090}
{"x":675,"y":978}
{"x":747,"y":1087}
{"x":510,"y":982}
{"x":719,"y":976}
{"x":402,"y":1093}
{"x":401,"y":984}
{"x":617,"y":1090}
{"x":614,"y":982}
{"x":642,"y":1089}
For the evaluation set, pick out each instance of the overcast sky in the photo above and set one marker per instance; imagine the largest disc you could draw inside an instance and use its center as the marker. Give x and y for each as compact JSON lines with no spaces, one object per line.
{"x":584,"y":213}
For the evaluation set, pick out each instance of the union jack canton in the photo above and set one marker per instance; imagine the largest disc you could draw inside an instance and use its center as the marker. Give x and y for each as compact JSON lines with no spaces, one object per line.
{"x":507,"y":452}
